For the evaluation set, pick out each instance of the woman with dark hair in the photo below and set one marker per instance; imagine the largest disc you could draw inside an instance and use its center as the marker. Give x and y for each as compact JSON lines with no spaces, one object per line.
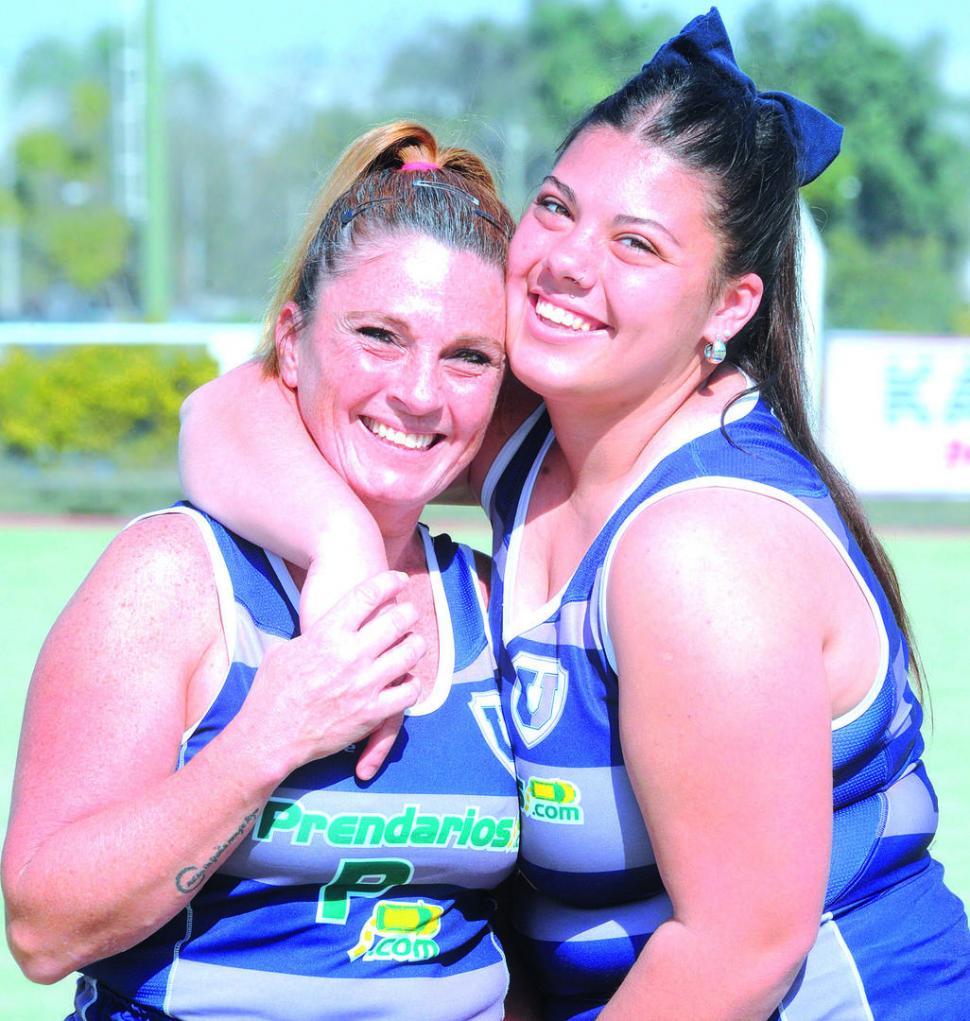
{"x":705,"y":659}
{"x":187,"y":829}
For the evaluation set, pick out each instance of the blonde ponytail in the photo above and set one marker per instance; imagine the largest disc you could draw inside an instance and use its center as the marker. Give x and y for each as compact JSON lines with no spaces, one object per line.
{"x":463,"y":212}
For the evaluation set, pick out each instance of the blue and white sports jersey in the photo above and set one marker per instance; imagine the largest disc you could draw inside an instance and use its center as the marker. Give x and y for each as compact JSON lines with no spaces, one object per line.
{"x":347,"y":900}
{"x":591,"y":893}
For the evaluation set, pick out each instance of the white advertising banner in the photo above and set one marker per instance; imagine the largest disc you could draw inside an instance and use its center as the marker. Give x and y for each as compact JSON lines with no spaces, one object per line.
{"x":896,"y":413}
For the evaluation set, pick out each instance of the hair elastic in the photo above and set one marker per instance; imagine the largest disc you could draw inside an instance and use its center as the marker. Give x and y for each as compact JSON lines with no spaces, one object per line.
{"x":419,"y":165}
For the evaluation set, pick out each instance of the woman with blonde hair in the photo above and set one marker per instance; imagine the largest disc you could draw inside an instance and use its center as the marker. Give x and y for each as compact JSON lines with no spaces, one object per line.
{"x":187,"y":828}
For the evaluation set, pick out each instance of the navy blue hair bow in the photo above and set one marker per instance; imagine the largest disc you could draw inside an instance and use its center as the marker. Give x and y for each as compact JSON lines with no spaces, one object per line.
{"x":704,"y":40}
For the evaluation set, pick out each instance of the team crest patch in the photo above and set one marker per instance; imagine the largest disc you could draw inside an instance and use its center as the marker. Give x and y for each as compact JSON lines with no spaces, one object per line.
{"x":486,"y":707}
{"x":538,"y":695}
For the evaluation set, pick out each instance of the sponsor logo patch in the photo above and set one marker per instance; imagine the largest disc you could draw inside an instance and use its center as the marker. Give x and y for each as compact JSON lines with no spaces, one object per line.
{"x":399,"y":930}
{"x":550,"y":800}
{"x":283,"y":820}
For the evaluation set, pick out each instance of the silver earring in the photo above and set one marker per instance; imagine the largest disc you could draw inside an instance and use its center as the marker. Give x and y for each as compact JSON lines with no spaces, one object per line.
{"x":716,"y":352}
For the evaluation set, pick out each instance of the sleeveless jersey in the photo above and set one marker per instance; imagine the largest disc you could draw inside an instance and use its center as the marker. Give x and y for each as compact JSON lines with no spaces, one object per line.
{"x":592,"y":894}
{"x":346,"y":900}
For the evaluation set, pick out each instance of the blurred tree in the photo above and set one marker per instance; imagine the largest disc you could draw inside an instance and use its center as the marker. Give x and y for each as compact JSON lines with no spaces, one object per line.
{"x":895,"y":207}
{"x":205,"y":176}
{"x":101,"y":400}
{"x":901,"y":285}
{"x":516,"y":88}
{"x":72,"y":233}
{"x":240,"y":174}
{"x":243,"y":179}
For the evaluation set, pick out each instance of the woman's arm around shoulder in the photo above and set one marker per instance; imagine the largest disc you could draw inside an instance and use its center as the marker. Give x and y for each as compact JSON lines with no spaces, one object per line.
{"x":246,"y":458}
{"x":716,"y":612}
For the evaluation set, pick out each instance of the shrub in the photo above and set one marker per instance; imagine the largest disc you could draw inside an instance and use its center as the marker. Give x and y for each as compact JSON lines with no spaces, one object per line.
{"x":119,"y":403}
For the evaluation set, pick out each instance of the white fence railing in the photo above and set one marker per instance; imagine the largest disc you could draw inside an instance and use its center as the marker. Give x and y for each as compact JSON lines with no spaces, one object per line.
{"x":229,"y":344}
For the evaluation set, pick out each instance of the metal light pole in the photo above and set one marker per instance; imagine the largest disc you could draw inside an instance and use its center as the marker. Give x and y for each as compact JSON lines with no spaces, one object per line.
{"x":156,"y":251}
{"x":9,"y":230}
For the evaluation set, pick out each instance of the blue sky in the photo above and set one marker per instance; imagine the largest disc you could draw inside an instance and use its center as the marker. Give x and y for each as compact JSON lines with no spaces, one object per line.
{"x":242,"y":39}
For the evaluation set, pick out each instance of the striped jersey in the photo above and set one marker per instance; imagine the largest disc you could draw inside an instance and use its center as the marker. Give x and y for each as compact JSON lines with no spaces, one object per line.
{"x":346,"y":900}
{"x":591,"y":893}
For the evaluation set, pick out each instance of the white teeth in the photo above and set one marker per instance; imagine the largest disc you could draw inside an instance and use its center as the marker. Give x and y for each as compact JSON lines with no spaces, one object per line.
{"x":555,"y":314}
{"x":412,"y":441}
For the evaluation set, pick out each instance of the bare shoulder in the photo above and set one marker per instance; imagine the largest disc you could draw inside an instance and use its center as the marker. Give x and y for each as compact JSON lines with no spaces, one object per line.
{"x":157,"y":567}
{"x":725,"y":536}
{"x":108,"y":699}
{"x":158,"y":542}
{"x":149,"y":600}
{"x":719,"y":639}
{"x":718,"y":574}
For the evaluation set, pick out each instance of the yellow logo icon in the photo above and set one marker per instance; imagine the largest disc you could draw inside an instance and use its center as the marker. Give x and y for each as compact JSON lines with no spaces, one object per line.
{"x":562,"y":792}
{"x":400,"y":930}
{"x":551,"y":800}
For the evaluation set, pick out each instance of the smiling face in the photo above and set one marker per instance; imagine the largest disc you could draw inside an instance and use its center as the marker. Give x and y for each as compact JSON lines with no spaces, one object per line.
{"x":397,"y":373}
{"x":610,"y":276}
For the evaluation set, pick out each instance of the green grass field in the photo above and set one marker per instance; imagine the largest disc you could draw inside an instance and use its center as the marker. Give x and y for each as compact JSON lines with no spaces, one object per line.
{"x":43,"y":564}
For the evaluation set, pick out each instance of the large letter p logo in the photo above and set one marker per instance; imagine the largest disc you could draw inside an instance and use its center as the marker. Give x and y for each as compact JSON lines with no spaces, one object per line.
{"x":359,"y":877}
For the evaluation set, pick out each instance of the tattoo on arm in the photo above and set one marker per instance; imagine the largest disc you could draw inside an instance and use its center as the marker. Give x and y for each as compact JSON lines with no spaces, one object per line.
{"x":193,"y":875}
